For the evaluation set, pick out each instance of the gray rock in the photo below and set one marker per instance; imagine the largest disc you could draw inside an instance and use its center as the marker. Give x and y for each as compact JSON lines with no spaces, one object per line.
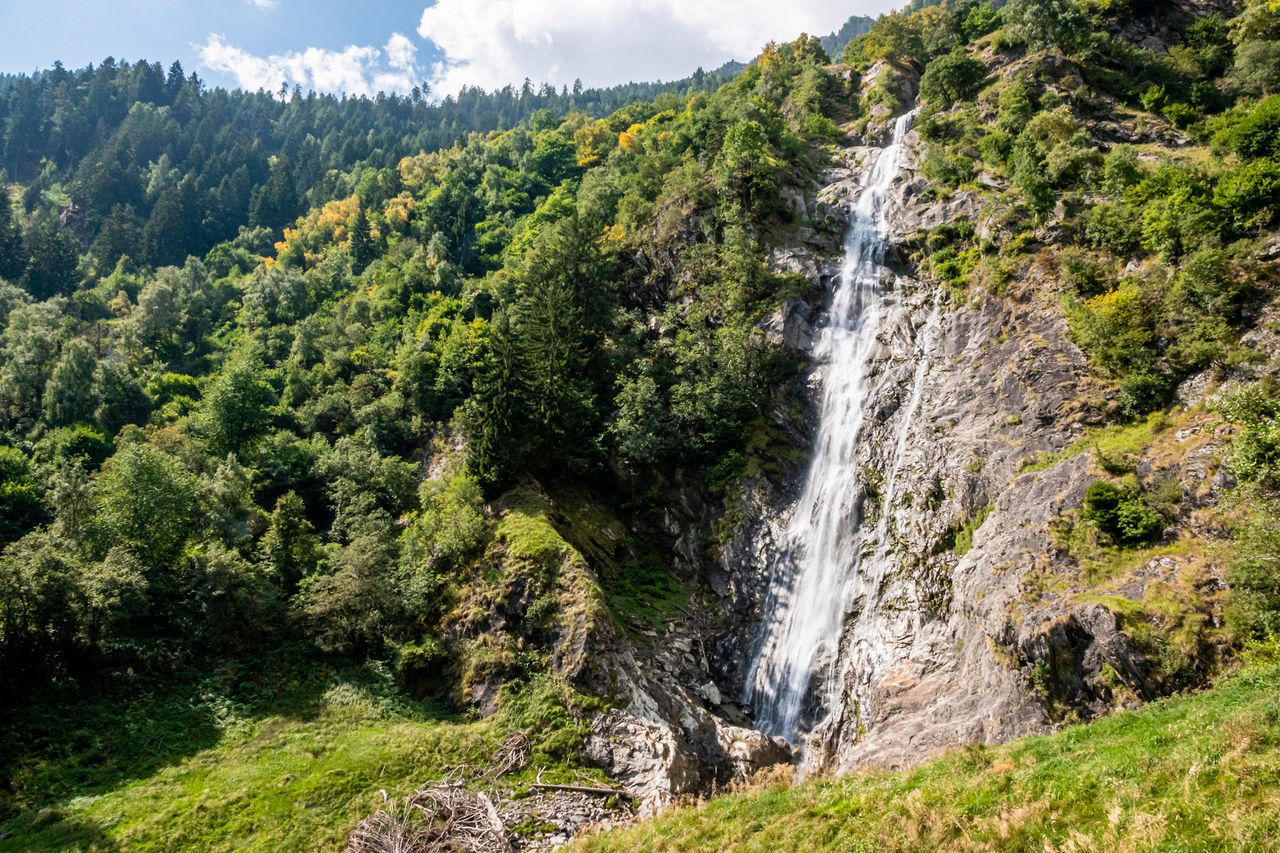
{"x":710,"y":693}
{"x":643,"y":756}
{"x":791,"y":326}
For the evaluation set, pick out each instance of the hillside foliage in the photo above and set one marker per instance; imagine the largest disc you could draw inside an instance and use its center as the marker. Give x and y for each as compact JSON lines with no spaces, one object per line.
{"x":407,"y":386}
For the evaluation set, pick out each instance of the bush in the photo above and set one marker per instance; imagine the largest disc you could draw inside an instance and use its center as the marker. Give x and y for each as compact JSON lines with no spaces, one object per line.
{"x":1086,"y":276}
{"x":1140,"y":393}
{"x":1251,"y":193}
{"x":995,"y":147}
{"x":950,"y":78}
{"x":1121,"y":514}
{"x":1253,"y":605}
{"x":20,"y":505}
{"x":1121,"y":169}
{"x":1136,"y":523}
{"x":1044,"y":24}
{"x":1258,"y":135}
{"x":1114,"y":226}
{"x":1180,"y":115}
{"x":1101,"y":500}
{"x":1116,"y":329}
{"x":1016,"y":108}
{"x":1073,"y":162}
{"x":1255,"y":453}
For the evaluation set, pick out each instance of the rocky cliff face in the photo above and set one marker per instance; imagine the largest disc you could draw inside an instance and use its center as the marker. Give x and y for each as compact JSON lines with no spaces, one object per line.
{"x":984,"y":625}
{"x":968,"y":643}
{"x":999,"y":382}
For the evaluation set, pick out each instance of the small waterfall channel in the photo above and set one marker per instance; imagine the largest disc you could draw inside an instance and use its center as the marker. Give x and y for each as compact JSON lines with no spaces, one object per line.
{"x":826,"y":564}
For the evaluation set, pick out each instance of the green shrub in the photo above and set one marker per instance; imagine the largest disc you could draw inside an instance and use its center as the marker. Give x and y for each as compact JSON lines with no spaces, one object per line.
{"x":1140,"y":393}
{"x":1136,"y":523}
{"x":1116,"y":329}
{"x":1085,"y":275}
{"x":995,"y":147}
{"x":1253,"y":606}
{"x":1016,"y":108}
{"x":1114,"y":226}
{"x":21,"y":507}
{"x":1045,"y":24}
{"x":1258,"y":134}
{"x":950,"y":78}
{"x":1121,"y":514}
{"x":1255,"y":453}
{"x":1180,"y":115}
{"x":1121,"y":169}
{"x":1073,"y":161}
{"x":1251,"y":193}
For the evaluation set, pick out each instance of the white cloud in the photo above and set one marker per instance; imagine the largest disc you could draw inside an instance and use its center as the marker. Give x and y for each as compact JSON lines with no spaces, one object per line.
{"x":401,"y":53}
{"x":354,"y":70}
{"x":494,"y":42}
{"x":264,"y":5}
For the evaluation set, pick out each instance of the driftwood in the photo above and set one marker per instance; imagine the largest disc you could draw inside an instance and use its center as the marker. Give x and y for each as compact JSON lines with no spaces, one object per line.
{"x":583,"y":789}
{"x":444,"y":817}
{"x":440,"y":817}
{"x":539,"y":785}
{"x":512,"y":755}
{"x":497,"y":829}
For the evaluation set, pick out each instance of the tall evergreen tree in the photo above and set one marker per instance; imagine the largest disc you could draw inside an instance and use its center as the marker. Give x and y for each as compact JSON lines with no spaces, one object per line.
{"x":495,"y":414}
{"x":13,"y":261}
{"x":52,"y":258}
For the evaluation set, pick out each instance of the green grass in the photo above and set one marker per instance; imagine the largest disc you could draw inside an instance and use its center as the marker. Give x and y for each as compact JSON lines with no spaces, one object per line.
{"x":964,"y":536}
{"x":219,"y":775}
{"x":635,"y":582}
{"x":1198,"y":772}
{"x":1117,"y":445}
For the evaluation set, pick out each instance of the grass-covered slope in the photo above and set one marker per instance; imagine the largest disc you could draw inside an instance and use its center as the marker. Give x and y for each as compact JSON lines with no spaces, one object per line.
{"x":203,"y":769}
{"x":1198,"y":772}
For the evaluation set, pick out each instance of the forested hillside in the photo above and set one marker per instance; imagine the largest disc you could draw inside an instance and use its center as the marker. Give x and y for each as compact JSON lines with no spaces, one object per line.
{"x":133,"y":162}
{"x":301,"y":441}
{"x":324,"y":418}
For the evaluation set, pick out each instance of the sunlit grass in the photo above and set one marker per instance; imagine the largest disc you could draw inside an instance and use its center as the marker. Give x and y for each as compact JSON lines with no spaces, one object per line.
{"x":1198,"y":772}
{"x":296,"y":780}
{"x":1115,"y":444}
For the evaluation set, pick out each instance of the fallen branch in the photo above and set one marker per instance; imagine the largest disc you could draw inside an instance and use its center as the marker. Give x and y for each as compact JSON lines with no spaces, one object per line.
{"x":496,"y":826}
{"x":583,"y":789}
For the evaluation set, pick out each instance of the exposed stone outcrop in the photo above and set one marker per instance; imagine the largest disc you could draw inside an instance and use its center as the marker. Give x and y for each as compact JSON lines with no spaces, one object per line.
{"x":666,"y":737}
{"x":958,"y":649}
{"x":979,"y":643}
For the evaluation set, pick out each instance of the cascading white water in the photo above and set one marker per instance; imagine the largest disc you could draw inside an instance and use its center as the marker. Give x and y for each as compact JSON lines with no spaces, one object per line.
{"x":816,"y":571}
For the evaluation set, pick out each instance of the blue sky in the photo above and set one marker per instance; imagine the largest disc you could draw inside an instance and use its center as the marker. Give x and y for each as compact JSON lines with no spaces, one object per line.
{"x":362,"y":47}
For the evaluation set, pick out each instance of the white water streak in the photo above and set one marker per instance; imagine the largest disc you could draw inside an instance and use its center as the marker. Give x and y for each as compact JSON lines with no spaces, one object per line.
{"x":816,"y":574}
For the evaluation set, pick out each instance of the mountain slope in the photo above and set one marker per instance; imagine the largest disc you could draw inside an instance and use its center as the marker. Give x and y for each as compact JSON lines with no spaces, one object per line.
{"x":1197,"y":772}
{"x":522,"y":417}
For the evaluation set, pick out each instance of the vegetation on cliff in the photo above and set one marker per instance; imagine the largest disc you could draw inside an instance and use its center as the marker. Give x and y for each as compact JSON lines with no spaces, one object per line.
{"x":421,"y":426}
{"x":310,"y":434}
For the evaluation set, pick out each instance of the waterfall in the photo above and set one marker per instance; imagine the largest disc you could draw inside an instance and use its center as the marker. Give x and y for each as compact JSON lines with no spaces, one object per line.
{"x":817,"y":573}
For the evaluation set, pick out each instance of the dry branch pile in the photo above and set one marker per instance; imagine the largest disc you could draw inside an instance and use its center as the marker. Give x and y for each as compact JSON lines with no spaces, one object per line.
{"x":445,"y":817}
{"x":440,"y":818}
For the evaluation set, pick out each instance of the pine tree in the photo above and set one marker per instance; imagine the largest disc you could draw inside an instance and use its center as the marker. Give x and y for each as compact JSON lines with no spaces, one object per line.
{"x":12,"y":258}
{"x":495,"y":414}
{"x":363,"y":246}
{"x":51,"y":262}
